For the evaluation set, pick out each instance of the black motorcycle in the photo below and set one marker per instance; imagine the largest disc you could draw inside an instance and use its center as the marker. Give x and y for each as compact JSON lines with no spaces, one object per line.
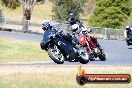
{"x":60,"y":50}
{"x":129,"y":39}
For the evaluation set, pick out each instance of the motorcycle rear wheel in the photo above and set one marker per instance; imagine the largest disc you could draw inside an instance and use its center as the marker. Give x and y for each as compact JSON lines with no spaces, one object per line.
{"x":102,"y":56}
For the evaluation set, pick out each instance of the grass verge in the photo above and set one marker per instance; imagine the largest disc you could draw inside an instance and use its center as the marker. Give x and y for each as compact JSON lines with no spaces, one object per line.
{"x":16,"y":50}
{"x":58,"y":77}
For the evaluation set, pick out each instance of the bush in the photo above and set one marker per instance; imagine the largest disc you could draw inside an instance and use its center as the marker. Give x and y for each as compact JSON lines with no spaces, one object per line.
{"x":110,"y":13}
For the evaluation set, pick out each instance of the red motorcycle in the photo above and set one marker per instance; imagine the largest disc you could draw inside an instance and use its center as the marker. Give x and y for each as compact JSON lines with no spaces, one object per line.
{"x":93,"y":48}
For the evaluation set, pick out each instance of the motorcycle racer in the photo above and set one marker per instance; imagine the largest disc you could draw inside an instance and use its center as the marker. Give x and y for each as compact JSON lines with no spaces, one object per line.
{"x":73,"y":19}
{"x":128,"y":35}
{"x":127,"y":31}
{"x":48,"y":25}
{"x":76,"y":30}
{"x":86,"y":32}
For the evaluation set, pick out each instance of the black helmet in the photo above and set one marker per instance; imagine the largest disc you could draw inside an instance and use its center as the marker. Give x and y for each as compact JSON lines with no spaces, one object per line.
{"x":71,"y":15}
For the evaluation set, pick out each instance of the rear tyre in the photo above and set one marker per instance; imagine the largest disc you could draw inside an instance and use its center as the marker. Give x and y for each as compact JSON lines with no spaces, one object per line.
{"x":91,"y":59}
{"x":102,"y":56}
{"x":83,"y":56}
{"x":56,"y":55}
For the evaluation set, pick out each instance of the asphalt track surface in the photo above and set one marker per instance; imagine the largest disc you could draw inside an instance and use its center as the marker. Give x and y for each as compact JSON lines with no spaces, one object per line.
{"x":118,"y":53}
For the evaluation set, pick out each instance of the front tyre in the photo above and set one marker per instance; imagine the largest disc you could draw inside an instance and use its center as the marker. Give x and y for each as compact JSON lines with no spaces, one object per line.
{"x":56,"y":55}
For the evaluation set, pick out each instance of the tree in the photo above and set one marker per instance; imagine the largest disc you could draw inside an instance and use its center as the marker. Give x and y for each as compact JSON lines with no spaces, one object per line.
{"x":62,"y":8}
{"x":27,"y":5}
{"x":13,"y":4}
{"x":110,"y":13}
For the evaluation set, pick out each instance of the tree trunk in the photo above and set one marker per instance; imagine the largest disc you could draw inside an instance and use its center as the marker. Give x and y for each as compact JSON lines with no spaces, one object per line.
{"x":27,"y":14}
{"x":69,"y":4}
{"x":26,"y":19}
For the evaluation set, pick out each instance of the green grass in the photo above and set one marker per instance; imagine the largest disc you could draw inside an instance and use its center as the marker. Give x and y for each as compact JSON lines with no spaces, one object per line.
{"x":56,"y":78}
{"x":14,"y":50}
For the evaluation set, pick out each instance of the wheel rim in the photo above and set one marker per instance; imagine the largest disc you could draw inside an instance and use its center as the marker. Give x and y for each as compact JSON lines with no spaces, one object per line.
{"x":102,"y":52}
{"x":57,"y":53}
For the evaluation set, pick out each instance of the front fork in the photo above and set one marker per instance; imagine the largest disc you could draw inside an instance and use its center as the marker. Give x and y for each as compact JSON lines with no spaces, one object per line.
{"x":90,"y":51}
{"x":94,"y":52}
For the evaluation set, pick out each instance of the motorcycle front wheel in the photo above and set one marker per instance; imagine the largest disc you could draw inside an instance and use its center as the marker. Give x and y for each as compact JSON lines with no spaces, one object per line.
{"x":56,"y":55}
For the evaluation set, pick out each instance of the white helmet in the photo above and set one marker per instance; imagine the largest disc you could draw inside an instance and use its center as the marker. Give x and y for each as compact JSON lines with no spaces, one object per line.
{"x":75,"y":27}
{"x":127,"y":27}
{"x":87,"y":29}
{"x":84,"y":29}
{"x":90,"y":29}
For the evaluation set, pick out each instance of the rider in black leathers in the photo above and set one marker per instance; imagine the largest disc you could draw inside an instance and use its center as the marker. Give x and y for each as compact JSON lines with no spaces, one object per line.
{"x":127,"y":32}
{"x":74,"y":20}
{"x":128,"y":35}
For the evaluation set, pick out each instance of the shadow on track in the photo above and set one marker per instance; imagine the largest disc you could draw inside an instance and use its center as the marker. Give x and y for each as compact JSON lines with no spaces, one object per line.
{"x":97,"y":60}
{"x":130,"y":48}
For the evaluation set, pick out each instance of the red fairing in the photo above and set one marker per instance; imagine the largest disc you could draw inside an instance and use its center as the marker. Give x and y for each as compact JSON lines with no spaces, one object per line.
{"x":82,"y":39}
{"x":93,"y":45}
